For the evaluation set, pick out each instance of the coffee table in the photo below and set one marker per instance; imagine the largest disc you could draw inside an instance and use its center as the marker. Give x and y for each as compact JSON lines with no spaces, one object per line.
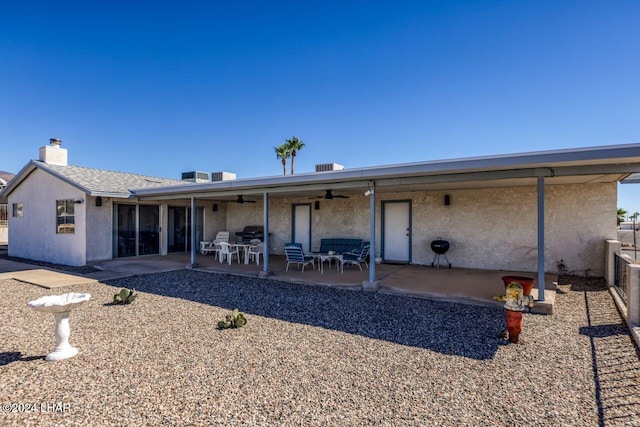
{"x":322,"y":257}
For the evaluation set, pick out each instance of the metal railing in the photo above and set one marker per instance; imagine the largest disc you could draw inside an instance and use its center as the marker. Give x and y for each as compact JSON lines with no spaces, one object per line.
{"x":4,"y":215}
{"x":620,"y":279}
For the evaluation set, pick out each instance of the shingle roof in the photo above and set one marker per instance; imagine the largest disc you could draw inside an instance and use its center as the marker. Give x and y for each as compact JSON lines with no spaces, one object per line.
{"x":99,"y":181}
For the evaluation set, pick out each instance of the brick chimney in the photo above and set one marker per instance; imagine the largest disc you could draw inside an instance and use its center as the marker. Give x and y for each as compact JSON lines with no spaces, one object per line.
{"x":53,"y":154}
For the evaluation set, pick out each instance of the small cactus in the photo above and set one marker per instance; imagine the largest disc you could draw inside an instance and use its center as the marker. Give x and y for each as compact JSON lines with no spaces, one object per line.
{"x":234,"y":320}
{"x":125,"y":296}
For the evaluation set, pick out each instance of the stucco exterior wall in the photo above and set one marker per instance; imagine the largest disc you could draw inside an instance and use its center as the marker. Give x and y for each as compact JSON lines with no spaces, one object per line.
{"x":34,"y":236}
{"x":100,"y":224}
{"x":240,"y":215}
{"x":215,"y":221}
{"x":579,"y":220}
{"x":493,"y":228}
{"x":496,"y":228}
{"x":487,"y":228}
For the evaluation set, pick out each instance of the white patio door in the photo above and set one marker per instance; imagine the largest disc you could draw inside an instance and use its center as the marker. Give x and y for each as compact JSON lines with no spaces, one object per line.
{"x":396,"y":232}
{"x":301,"y":230}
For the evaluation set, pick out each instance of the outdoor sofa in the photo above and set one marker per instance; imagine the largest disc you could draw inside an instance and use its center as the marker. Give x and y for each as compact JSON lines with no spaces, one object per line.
{"x":339,"y":246}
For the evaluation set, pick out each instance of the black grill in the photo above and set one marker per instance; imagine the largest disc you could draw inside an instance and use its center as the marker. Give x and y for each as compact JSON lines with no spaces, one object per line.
{"x":440,"y":248}
{"x":251,"y":232}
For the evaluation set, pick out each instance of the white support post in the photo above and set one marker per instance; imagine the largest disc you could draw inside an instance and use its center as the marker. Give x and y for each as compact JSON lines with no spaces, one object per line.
{"x":371,"y":284}
{"x":541,"y":238}
{"x":194,"y":244}
{"x":265,"y":248}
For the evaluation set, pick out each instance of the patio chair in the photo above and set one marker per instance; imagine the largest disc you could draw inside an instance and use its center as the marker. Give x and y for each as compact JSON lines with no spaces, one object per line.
{"x":207,"y":247}
{"x":212,"y":246}
{"x":296,"y":256}
{"x":256,"y":251}
{"x":227,"y":251}
{"x":221,"y":236}
{"x":356,"y":257}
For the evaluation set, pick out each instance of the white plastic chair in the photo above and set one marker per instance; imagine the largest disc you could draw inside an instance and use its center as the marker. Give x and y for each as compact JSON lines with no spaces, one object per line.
{"x":206,"y":247}
{"x":256,"y":251}
{"x":221,"y":236}
{"x":227,"y":251}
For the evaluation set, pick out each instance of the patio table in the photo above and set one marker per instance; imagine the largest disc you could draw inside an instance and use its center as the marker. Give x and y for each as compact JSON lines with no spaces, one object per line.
{"x":245,"y":249}
{"x":322,"y":257}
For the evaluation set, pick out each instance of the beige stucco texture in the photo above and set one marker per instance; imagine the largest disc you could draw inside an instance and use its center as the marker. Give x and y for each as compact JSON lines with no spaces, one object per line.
{"x":496,"y":228}
{"x":493,"y":228}
{"x":488,"y":228}
{"x":33,"y":236}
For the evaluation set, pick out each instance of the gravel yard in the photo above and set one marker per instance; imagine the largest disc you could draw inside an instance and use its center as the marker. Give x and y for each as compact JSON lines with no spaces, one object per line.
{"x":312,"y":355}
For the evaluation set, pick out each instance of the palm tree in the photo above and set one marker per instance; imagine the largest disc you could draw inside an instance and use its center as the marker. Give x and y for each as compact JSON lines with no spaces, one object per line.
{"x":621,"y":215}
{"x":283,"y":152}
{"x":294,"y":145}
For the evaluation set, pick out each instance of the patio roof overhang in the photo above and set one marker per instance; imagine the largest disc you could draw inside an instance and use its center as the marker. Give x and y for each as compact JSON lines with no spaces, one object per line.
{"x":587,"y":165}
{"x":634,"y":178}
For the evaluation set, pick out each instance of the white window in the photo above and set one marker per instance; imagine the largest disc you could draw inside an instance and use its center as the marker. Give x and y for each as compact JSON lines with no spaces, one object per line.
{"x":65,"y":217}
{"x":17,"y":210}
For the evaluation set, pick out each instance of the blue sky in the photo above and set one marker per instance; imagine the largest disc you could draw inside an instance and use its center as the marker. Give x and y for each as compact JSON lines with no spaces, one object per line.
{"x":159,"y":87}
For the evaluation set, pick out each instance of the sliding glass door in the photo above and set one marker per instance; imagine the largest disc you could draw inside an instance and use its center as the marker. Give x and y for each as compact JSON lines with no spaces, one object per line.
{"x":126,"y":230}
{"x":137,"y":230}
{"x":179,"y":233}
{"x":149,"y":236}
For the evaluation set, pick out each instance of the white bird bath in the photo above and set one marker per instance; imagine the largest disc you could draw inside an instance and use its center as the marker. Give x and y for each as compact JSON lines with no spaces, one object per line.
{"x":60,"y":306}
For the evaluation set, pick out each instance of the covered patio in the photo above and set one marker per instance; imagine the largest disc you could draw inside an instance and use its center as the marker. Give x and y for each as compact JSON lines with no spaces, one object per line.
{"x":464,"y":285}
{"x":502,"y":214}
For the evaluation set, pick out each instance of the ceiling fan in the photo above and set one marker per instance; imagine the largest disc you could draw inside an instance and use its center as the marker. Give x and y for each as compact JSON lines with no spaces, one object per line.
{"x":241,"y":200}
{"x":328,"y":195}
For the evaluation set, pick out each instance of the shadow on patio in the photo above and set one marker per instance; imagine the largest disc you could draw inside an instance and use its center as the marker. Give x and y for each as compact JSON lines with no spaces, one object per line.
{"x":470,"y":286}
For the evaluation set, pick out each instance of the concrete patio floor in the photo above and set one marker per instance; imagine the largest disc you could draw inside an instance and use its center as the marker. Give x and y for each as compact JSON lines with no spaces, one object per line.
{"x":472,"y":286}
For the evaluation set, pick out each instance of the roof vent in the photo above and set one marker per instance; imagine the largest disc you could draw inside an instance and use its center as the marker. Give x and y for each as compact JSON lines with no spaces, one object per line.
{"x":328,"y":167}
{"x":53,"y":154}
{"x":222,"y":176}
{"x":195,"y":176}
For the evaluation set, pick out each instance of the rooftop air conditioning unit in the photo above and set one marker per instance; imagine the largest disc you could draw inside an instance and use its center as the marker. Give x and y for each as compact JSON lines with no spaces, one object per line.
{"x":328,"y":167}
{"x":222,"y":176}
{"x":195,"y":176}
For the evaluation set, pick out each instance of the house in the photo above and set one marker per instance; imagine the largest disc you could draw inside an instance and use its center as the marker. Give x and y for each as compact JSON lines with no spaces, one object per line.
{"x":65,"y":214}
{"x":520,"y":212}
{"x":4,"y":210}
